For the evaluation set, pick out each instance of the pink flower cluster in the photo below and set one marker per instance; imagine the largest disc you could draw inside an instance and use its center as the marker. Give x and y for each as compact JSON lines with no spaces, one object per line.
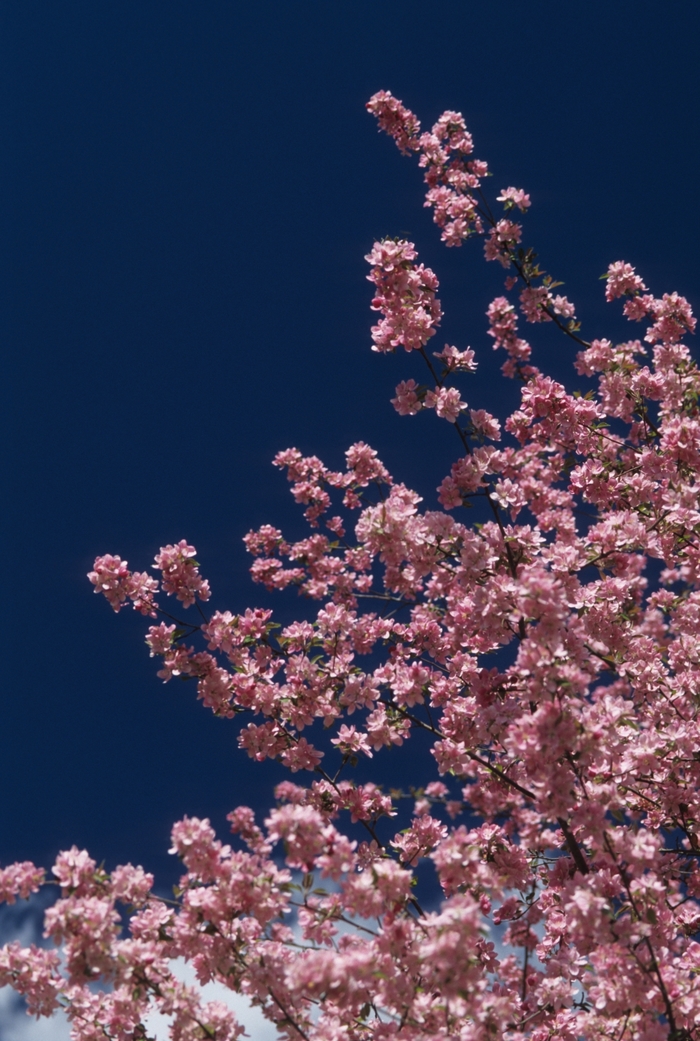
{"x":502,"y":240}
{"x":181,"y":578}
{"x":456,"y":197}
{"x":547,"y":653}
{"x":672,"y":314}
{"x":405,"y":294}
{"x":113,"y":578}
{"x":503,"y":328}
{"x":19,"y":880}
{"x":511,"y":197}
{"x":451,"y":177}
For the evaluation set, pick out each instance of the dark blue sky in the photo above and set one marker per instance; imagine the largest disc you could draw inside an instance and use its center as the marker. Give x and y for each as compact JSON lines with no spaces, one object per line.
{"x":187,"y":193}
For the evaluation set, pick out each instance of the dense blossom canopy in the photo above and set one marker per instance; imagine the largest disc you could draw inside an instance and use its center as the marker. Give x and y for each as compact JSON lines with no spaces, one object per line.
{"x":561,"y":816}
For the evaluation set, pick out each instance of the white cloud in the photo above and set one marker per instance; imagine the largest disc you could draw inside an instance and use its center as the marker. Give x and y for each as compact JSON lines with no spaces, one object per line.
{"x":16,"y":1025}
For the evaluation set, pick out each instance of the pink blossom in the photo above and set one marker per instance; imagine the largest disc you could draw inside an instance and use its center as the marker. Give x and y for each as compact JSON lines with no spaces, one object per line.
{"x":406,"y":401}
{"x":113,"y":578}
{"x":455,"y":360}
{"x":75,"y":870}
{"x":485,"y":424}
{"x":110,"y":577}
{"x":33,"y":973}
{"x":132,"y":885}
{"x":533,"y":303}
{"x":442,"y":154}
{"x":673,"y":317}
{"x":160,"y":638}
{"x":181,"y":576}
{"x":622,"y":281}
{"x":350,"y":741}
{"x":301,"y":756}
{"x":419,"y":839}
{"x":511,"y":197}
{"x":502,"y":240}
{"x":395,"y":119}
{"x":364,"y":465}
{"x":304,"y":833}
{"x":406,"y":296}
{"x":503,"y":325}
{"x":560,"y":305}
{"x":446,"y":401}
{"x":19,"y":880}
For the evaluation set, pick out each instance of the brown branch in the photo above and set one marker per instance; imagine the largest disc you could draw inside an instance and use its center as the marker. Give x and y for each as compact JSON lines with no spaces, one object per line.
{"x":573,"y":847}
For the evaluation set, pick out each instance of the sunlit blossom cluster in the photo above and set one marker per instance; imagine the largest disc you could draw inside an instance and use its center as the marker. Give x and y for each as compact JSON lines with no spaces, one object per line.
{"x":405,"y":294}
{"x":453,"y":179}
{"x":547,"y":653}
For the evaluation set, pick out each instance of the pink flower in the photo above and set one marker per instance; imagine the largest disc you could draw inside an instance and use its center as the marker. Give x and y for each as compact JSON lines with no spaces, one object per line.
{"x":502,"y":240}
{"x":673,"y":318}
{"x":160,"y":638}
{"x":406,"y":296}
{"x":304,"y":833}
{"x":533,"y":301}
{"x":622,"y":281}
{"x":110,"y":577}
{"x":511,"y":197}
{"x":419,"y":839}
{"x":443,"y":152}
{"x":406,"y":401}
{"x":560,"y":305}
{"x":395,"y":119}
{"x":503,"y":325}
{"x":301,"y":756}
{"x":364,"y":465}
{"x":132,"y":885}
{"x":19,"y":880}
{"x":350,"y":741}
{"x":113,"y":578}
{"x":447,"y":402}
{"x":33,"y":972}
{"x":75,"y":870}
{"x":181,"y":576}
{"x":485,"y":424}
{"x":455,"y":360}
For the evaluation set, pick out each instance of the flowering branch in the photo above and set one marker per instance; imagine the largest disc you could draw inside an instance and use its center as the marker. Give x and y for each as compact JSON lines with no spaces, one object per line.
{"x":548,"y":655}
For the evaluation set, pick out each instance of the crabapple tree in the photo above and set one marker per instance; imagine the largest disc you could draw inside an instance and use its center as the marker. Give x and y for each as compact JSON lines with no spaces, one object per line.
{"x":549,"y":655}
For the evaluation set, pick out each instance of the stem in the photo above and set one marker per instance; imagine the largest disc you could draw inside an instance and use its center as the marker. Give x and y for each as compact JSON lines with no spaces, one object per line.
{"x":523,"y":989}
{"x":573,"y":847}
